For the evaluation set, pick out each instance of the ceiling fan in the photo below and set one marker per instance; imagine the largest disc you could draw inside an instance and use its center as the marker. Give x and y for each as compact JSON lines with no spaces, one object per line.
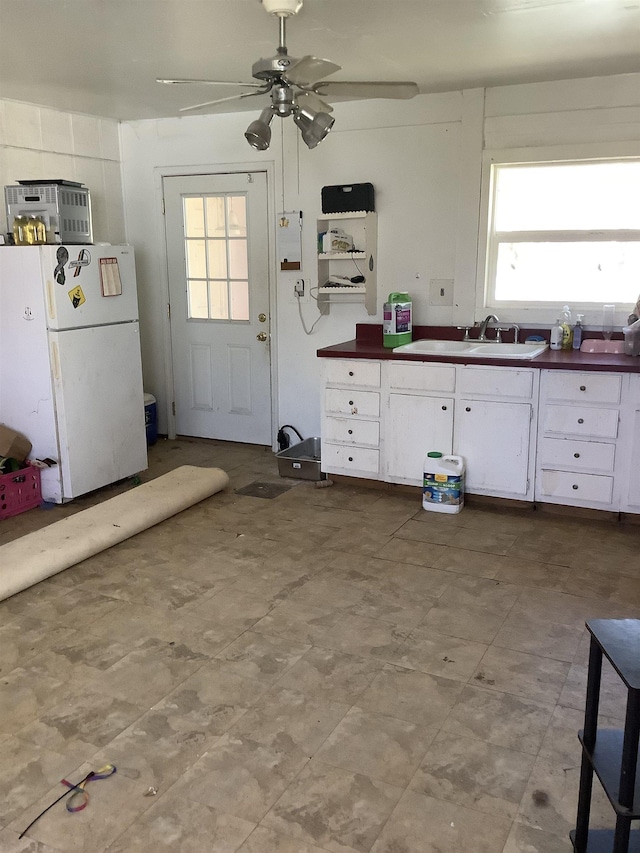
{"x":296,"y":87}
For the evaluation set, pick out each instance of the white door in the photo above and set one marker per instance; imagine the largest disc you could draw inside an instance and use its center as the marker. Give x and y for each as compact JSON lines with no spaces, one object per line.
{"x":218,"y":266}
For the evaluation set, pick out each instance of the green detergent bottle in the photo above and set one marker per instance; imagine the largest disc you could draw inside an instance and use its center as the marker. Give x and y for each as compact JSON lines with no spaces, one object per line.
{"x":396,"y":326}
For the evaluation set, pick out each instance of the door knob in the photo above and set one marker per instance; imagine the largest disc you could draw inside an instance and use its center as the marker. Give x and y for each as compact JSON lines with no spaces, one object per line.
{"x":261,"y":336}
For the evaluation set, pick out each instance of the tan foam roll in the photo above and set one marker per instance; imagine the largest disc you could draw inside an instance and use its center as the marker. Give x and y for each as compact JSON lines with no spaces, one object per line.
{"x":32,"y":558}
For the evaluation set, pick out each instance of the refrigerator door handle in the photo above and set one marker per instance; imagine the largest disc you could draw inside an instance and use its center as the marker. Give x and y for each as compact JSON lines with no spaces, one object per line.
{"x":55,"y":361}
{"x":51,"y":300}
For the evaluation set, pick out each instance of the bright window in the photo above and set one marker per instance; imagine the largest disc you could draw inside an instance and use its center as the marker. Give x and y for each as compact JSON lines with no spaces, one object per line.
{"x":215,"y":229}
{"x":566,"y":232}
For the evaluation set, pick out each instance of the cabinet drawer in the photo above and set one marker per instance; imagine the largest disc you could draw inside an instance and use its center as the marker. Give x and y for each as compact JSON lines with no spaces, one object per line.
{"x":581,"y":420}
{"x":495,"y":382}
{"x":590,"y":488}
{"x":404,"y":376}
{"x":338,"y":457}
{"x":585,"y":455}
{"x":351,"y":431}
{"x":340,"y":371}
{"x":583,"y":387}
{"x":344,"y":402}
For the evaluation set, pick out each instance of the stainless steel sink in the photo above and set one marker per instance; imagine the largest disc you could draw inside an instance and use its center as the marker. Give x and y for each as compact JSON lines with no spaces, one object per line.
{"x":473,"y":349}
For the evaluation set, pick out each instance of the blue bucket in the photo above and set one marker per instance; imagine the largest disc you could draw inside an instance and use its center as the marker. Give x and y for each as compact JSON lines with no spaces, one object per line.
{"x":151,"y":419}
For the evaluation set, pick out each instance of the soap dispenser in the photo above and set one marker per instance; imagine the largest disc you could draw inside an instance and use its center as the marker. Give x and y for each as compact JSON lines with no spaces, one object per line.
{"x":556,"y":335}
{"x":577,"y":332}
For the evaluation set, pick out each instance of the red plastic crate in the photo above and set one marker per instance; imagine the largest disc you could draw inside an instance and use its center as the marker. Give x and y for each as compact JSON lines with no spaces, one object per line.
{"x":19,"y":491}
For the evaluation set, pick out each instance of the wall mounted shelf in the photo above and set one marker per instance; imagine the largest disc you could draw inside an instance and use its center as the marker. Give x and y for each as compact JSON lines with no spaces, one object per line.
{"x":363,"y":226}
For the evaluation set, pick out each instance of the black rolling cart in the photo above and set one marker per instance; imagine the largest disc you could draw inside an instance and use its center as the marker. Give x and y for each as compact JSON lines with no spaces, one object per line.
{"x":611,"y":753}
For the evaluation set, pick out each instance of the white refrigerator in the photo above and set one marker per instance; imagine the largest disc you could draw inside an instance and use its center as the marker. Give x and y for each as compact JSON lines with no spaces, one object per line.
{"x":70,"y":366}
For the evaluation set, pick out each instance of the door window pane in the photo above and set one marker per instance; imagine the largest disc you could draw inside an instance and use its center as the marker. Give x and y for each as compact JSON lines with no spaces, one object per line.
{"x":197,"y":299}
{"x":237,"y":215}
{"x":217,"y":258}
{"x":239,"y":300}
{"x":193,"y":217}
{"x":216,"y":226}
{"x":196,"y":263}
{"x":238,"y":259}
{"x":219,"y":309}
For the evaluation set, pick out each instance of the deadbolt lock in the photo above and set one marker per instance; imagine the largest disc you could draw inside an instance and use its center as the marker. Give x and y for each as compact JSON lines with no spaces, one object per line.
{"x":262,"y":318}
{"x":261,"y":336}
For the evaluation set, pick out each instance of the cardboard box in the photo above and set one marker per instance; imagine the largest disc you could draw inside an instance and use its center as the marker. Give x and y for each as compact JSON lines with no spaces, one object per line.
{"x":13,"y":444}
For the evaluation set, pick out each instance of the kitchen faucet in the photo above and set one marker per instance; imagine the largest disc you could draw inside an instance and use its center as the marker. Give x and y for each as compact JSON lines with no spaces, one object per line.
{"x":483,"y":326}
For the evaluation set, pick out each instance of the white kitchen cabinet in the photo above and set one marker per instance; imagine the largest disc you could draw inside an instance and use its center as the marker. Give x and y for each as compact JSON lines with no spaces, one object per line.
{"x":418,"y":416}
{"x":351,"y":417}
{"x":481,"y":413}
{"x":579,"y":436}
{"x":556,"y":436}
{"x":415,"y":425}
{"x":363,"y":227}
{"x":494,"y":439}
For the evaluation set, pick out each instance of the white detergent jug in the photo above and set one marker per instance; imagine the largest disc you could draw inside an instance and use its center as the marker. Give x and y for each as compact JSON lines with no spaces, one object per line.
{"x":443,"y":484}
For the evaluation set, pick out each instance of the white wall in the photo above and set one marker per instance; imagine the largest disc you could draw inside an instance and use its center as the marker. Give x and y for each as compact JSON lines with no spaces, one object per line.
{"x":424,"y":158}
{"x":410,"y":153}
{"x":38,"y":143}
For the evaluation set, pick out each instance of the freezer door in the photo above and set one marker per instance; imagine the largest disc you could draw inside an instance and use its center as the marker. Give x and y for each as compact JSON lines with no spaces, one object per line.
{"x":97,"y":379}
{"x":89,"y":285}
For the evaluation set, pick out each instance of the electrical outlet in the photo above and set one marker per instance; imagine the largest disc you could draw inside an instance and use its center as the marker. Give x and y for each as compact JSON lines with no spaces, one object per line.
{"x":441,"y":291}
{"x":298,"y":288}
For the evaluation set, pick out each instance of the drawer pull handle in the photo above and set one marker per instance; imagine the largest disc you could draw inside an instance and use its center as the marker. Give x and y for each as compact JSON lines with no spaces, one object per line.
{"x":574,"y":487}
{"x":351,"y":460}
{"x":444,"y":408}
{"x":580,"y":420}
{"x":583,"y":387}
{"x":468,"y":409}
{"x":351,"y":402}
{"x":576,"y":455}
{"x":351,"y":374}
{"x":350,"y":431}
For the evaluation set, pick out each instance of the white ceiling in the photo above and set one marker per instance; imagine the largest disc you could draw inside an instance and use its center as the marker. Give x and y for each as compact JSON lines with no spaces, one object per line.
{"x":102,"y":56}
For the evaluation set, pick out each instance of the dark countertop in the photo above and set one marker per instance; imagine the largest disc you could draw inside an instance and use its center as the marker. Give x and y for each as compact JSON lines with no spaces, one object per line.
{"x":368,"y":344}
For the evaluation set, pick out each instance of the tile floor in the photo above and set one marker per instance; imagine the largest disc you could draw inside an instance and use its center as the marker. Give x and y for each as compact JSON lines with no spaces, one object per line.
{"x":332,"y":669}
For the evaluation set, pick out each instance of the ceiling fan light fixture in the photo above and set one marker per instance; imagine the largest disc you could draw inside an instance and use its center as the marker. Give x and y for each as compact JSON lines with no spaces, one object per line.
{"x":314,"y":126}
{"x":282,"y":8}
{"x":258,"y":134}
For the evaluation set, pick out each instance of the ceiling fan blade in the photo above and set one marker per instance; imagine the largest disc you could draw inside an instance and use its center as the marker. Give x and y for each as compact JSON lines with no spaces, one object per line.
{"x":309,"y":69}
{"x":313,"y":101}
{"x":367,"y":89}
{"x":172,"y":82}
{"x":263,"y":91}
